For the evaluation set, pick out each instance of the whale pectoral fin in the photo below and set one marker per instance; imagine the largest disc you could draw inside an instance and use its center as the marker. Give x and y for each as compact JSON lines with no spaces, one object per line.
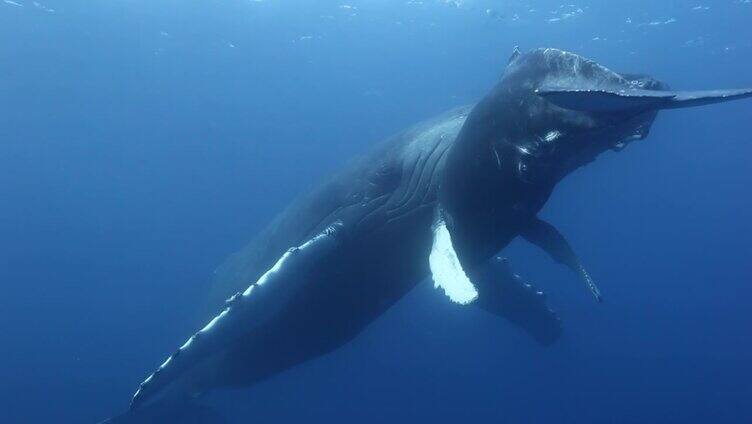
{"x":599,"y":100}
{"x":605,"y":100}
{"x":548,"y":238}
{"x":253,"y":307}
{"x":505,"y":294}
{"x":684,"y":99}
{"x":446,"y":269}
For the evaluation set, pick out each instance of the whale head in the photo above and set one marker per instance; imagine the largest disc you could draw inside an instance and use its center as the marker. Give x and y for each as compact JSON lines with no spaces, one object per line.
{"x":554,"y":111}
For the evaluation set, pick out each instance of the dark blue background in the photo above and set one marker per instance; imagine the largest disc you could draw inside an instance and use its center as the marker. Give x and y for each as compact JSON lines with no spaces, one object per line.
{"x":141,"y":142}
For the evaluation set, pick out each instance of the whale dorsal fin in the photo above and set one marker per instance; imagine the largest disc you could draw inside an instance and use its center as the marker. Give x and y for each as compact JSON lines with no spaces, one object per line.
{"x":515,"y":55}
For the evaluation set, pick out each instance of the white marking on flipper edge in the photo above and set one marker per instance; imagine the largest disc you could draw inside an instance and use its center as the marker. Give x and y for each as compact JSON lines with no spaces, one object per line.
{"x":446,"y":269}
{"x":242,"y":311}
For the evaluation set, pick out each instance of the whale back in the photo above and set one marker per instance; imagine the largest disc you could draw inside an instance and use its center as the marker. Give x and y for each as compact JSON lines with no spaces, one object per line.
{"x":397,"y":176}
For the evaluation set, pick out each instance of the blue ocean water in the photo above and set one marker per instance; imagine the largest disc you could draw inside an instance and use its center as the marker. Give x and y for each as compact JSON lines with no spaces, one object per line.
{"x":142,"y":142}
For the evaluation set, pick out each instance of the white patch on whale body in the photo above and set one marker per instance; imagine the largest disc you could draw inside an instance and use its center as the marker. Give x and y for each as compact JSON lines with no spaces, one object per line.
{"x":446,"y":269}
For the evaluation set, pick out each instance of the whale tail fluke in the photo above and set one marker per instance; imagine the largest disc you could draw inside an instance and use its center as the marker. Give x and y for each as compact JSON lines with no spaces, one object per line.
{"x":184,"y":411}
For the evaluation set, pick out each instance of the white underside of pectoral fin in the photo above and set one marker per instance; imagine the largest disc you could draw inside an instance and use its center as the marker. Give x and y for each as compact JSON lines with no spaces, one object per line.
{"x":246,"y":311}
{"x":446,"y":269}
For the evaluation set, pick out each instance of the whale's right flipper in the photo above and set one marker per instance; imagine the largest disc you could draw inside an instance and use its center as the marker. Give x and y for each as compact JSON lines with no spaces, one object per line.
{"x":446,"y":269}
{"x":548,"y":238}
{"x":503,"y":293}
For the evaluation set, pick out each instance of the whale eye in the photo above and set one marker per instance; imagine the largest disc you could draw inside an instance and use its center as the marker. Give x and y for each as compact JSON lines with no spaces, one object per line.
{"x":523,"y":171}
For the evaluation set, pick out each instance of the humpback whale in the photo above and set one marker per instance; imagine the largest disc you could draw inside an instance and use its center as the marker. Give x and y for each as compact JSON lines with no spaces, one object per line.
{"x":441,"y":200}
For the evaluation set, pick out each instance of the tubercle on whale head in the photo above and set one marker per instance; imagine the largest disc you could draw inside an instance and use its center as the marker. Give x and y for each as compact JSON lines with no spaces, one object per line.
{"x":553,"y":112}
{"x":518,"y":140}
{"x":544,"y":133}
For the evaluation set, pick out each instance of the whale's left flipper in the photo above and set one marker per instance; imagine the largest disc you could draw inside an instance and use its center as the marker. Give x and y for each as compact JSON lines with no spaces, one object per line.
{"x":548,"y":238}
{"x":252,"y":307}
{"x":505,"y":294}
